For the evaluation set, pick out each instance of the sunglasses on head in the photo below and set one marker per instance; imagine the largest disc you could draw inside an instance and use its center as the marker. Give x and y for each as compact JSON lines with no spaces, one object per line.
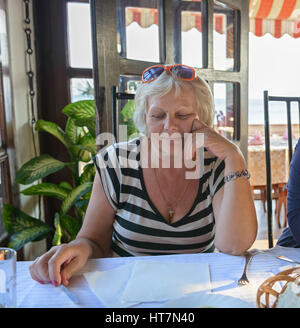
{"x":182,"y":72}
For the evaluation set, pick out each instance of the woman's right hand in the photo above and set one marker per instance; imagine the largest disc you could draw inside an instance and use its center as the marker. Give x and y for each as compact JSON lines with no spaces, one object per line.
{"x":59,"y":264}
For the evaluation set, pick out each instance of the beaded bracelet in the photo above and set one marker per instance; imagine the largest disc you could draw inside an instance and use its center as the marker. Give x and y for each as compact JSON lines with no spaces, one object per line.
{"x":235,"y":175}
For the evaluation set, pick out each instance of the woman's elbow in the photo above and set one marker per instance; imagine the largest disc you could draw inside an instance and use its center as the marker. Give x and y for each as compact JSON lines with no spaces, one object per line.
{"x":237,"y":245}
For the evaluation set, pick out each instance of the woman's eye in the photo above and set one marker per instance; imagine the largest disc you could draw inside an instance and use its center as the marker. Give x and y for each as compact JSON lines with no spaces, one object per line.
{"x":157,"y":115}
{"x":183,"y":115}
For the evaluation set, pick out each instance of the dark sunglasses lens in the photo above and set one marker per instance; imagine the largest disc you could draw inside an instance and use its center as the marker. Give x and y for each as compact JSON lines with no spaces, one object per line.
{"x":182,"y":71}
{"x":152,"y":73}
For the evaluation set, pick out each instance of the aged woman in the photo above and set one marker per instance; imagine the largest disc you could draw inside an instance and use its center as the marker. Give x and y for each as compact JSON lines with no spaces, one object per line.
{"x":139,"y":207}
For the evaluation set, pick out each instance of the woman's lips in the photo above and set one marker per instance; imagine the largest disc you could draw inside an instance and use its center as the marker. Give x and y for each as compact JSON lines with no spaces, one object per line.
{"x":166,"y":136}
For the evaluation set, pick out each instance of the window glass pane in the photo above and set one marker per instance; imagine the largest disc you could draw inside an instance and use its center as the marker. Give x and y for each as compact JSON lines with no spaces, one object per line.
{"x":79,"y":35}
{"x":278,"y":123}
{"x":138,"y":29}
{"x":128,"y":84}
{"x":81,"y":89}
{"x":191,"y":34}
{"x":224,"y":41}
{"x":226,"y":109}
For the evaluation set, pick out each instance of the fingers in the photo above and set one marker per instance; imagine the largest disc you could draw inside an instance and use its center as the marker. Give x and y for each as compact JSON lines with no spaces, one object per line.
{"x":39,"y":268}
{"x":197,"y":125}
{"x":195,"y":141}
{"x":46,"y":269}
{"x":56,"y":262}
{"x":69,"y":268}
{"x":58,"y":265}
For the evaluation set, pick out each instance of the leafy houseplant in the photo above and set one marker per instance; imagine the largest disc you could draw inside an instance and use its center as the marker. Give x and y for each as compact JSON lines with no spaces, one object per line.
{"x":126,"y":118}
{"x":79,"y":138}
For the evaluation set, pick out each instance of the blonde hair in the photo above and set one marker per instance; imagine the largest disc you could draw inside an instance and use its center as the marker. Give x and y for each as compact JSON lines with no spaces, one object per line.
{"x":163,"y":85}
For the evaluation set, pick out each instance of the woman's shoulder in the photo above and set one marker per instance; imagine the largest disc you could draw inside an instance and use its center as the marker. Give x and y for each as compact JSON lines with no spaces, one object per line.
{"x":121,"y":154}
{"x":128,"y":145}
{"x":210,"y":159}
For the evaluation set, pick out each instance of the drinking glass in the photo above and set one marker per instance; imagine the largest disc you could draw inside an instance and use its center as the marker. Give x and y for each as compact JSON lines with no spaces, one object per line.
{"x":7,"y":278}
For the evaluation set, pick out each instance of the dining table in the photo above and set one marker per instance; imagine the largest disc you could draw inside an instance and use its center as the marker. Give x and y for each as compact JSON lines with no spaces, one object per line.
{"x":224,"y":273}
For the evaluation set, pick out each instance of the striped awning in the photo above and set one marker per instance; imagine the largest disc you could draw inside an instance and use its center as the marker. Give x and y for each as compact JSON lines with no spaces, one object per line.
{"x":146,"y":17}
{"x":277,"y":17}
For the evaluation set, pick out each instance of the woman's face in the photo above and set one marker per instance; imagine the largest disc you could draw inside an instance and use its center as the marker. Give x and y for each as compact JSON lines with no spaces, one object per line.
{"x":171,"y":114}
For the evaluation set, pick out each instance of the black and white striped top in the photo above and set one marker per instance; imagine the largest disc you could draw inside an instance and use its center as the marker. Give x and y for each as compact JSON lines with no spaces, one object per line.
{"x":139,"y":229}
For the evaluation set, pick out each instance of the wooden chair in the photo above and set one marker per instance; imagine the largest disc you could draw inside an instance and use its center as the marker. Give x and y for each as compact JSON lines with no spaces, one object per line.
{"x":282,"y":196}
{"x":279,"y":194}
{"x":281,"y":200}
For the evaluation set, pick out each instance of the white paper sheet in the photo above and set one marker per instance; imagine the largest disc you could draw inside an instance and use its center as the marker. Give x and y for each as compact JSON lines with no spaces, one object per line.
{"x":148,"y":281}
{"x":108,"y":285}
{"x":31,"y":294}
{"x":155,"y":281}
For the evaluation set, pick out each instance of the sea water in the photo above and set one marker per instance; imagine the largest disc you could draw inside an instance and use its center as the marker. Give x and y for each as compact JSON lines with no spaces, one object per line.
{"x":277,"y":111}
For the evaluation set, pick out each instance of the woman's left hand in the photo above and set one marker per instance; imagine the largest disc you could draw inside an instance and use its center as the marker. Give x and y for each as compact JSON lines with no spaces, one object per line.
{"x":213,"y":141}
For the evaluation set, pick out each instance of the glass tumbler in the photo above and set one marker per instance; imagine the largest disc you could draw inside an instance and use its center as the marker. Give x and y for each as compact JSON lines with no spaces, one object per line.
{"x":7,"y":278}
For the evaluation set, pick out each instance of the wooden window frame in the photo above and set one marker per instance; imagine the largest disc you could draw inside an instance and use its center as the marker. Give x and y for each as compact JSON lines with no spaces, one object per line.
{"x":5,"y":142}
{"x":53,"y":82}
{"x":108,"y":66}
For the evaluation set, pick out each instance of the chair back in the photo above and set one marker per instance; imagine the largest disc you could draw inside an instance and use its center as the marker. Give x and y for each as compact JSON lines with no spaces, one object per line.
{"x":116,"y":95}
{"x":288,"y":101}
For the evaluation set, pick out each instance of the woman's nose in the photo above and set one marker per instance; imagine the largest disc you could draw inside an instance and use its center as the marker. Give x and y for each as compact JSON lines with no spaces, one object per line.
{"x":170,"y":124}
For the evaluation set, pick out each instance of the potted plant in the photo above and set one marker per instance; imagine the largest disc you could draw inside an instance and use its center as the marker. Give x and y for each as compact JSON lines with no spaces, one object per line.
{"x":79,"y":138}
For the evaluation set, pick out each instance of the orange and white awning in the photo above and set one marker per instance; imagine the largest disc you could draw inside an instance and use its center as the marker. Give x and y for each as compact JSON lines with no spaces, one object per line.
{"x":277,"y":17}
{"x":146,"y":17}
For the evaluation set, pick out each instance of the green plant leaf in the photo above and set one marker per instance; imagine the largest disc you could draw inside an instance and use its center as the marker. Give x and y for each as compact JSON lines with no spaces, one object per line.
{"x":65,"y":185}
{"x":58,"y":231}
{"x":73,"y":196}
{"x":88,"y":143}
{"x":33,"y":233}
{"x":38,"y":168}
{"x":70,"y":227}
{"x":83,"y":114}
{"x":126,"y":118}
{"x":83,"y":155}
{"x":128,"y":110}
{"x":53,"y":129}
{"x":46,"y":189}
{"x":72,"y":131}
{"x":15,"y":220}
{"x":83,"y":109}
{"x":89,"y":123}
{"x":87,"y":174}
{"x":85,"y":149}
{"x":81,"y":202}
{"x":22,"y":227}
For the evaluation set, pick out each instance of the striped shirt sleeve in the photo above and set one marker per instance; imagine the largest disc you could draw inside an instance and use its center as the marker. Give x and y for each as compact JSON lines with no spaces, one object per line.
{"x":217,"y":177}
{"x":107,"y":165}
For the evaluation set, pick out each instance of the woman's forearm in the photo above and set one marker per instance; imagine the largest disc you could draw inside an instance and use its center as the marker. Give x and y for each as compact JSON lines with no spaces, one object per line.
{"x":94,"y":250}
{"x":236,"y":223}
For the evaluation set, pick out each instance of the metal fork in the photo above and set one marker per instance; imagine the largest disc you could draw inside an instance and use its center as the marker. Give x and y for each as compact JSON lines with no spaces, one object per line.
{"x":244,"y":280}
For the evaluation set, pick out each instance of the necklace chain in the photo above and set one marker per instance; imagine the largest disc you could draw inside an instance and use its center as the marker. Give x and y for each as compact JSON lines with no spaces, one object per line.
{"x":171,"y":209}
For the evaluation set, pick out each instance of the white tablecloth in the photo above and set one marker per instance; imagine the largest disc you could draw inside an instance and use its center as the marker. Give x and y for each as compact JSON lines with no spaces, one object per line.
{"x":225,"y":271}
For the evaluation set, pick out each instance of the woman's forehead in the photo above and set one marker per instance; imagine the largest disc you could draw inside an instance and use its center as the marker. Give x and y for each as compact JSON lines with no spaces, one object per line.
{"x":185,"y":97}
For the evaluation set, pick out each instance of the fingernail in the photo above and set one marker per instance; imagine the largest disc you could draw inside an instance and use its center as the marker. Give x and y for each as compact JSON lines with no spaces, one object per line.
{"x":55,"y":283}
{"x":40,"y":281}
